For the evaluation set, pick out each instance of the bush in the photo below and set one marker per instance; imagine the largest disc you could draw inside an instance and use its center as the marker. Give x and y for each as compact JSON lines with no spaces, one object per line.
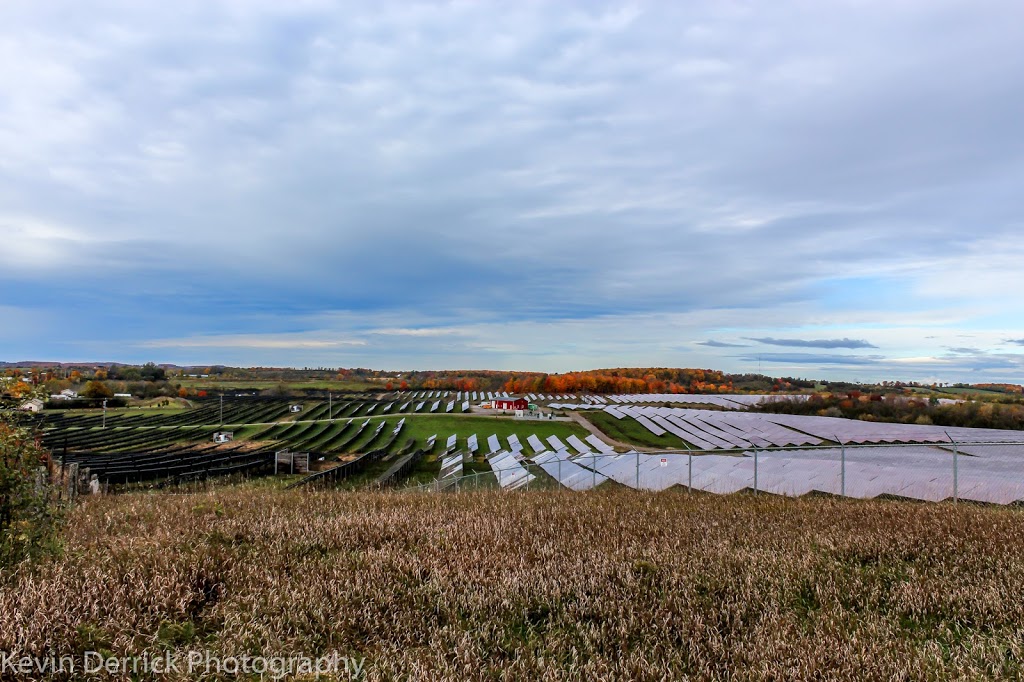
{"x":28,"y":517}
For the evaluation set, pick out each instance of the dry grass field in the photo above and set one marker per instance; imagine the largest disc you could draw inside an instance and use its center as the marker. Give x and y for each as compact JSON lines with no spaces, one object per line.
{"x":549,"y":586}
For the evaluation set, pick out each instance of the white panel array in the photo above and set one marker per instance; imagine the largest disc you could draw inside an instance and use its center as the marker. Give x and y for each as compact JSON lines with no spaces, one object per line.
{"x":471,"y":444}
{"x":599,"y":444}
{"x":452,"y":440}
{"x":433,"y":408}
{"x":508,"y":470}
{"x":513,"y":443}
{"x":450,"y":406}
{"x":577,"y":445}
{"x":451,"y":467}
{"x":536,"y":443}
{"x":568,"y":473}
{"x":556,"y":443}
{"x":493,"y":444}
{"x":465,"y":406}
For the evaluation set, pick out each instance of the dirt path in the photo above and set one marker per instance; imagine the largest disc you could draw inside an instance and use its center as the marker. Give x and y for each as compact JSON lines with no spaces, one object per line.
{"x":582,"y":421}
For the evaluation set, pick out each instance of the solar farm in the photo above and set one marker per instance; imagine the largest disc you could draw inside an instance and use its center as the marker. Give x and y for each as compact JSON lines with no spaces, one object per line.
{"x":728,"y":452}
{"x":441,"y":440}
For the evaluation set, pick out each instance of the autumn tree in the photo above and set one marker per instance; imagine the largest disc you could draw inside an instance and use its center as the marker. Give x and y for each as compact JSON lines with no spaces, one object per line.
{"x":97,"y":390}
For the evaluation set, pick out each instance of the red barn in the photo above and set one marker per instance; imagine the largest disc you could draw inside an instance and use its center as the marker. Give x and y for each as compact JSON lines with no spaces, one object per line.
{"x":511,"y":404}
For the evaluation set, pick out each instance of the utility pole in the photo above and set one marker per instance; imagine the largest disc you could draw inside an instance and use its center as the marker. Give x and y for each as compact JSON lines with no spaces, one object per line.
{"x":104,"y":413}
{"x":330,"y":406}
{"x":222,"y":409}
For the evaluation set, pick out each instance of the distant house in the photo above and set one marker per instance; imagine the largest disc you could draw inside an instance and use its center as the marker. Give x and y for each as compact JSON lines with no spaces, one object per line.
{"x":34,"y":405}
{"x":296,"y":408}
{"x":69,"y":394}
{"x":58,"y":396}
{"x":122,"y":395}
{"x":510,"y":404}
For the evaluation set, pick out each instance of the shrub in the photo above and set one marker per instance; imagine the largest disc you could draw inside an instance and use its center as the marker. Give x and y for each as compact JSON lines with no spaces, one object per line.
{"x":28,"y":517}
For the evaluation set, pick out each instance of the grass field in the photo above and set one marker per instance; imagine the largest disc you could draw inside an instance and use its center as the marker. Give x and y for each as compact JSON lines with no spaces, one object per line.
{"x":631,"y":431}
{"x":422,"y":427}
{"x":550,"y":586}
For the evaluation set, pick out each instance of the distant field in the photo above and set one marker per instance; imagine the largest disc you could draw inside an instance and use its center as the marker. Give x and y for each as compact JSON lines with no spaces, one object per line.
{"x":325,"y":385}
{"x":539,"y":586}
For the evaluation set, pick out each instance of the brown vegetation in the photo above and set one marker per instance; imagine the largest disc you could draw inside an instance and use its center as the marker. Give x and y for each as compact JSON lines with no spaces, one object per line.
{"x":612,"y":585}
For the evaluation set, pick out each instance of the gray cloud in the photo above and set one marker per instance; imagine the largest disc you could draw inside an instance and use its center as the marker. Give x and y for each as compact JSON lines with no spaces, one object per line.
{"x":711,"y":343}
{"x":275,"y":164}
{"x":819,"y":359}
{"x":815,"y":343}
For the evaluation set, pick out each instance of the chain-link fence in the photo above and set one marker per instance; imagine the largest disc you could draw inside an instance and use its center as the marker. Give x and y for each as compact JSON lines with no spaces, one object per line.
{"x":979,"y":472}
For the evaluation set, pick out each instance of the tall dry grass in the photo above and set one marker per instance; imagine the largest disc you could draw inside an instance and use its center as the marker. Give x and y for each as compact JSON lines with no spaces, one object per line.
{"x":549,"y":586}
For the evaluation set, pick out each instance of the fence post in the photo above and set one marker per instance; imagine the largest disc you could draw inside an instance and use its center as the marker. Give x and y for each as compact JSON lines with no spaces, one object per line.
{"x":842,"y":467}
{"x":689,"y":474}
{"x":638,"y":470}
{"x":755,"y":470}
{"x":956,"y":468}
{"x":560,"y":473}
{"x":956,"y":473}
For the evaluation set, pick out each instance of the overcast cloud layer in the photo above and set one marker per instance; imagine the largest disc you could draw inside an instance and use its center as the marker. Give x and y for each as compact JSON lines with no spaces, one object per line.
{"x":516,"y":186}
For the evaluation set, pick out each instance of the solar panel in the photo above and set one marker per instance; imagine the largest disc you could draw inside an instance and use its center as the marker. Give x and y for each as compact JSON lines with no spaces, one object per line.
{"x":556,"y":443}
{"x":535,"y":443}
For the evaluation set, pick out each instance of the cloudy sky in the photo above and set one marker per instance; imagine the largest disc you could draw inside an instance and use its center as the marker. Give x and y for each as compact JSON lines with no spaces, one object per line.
{"x":819,"y":189}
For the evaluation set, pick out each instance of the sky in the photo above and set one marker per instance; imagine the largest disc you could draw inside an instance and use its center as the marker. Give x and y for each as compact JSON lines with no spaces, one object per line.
{"x":816,"y":189}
